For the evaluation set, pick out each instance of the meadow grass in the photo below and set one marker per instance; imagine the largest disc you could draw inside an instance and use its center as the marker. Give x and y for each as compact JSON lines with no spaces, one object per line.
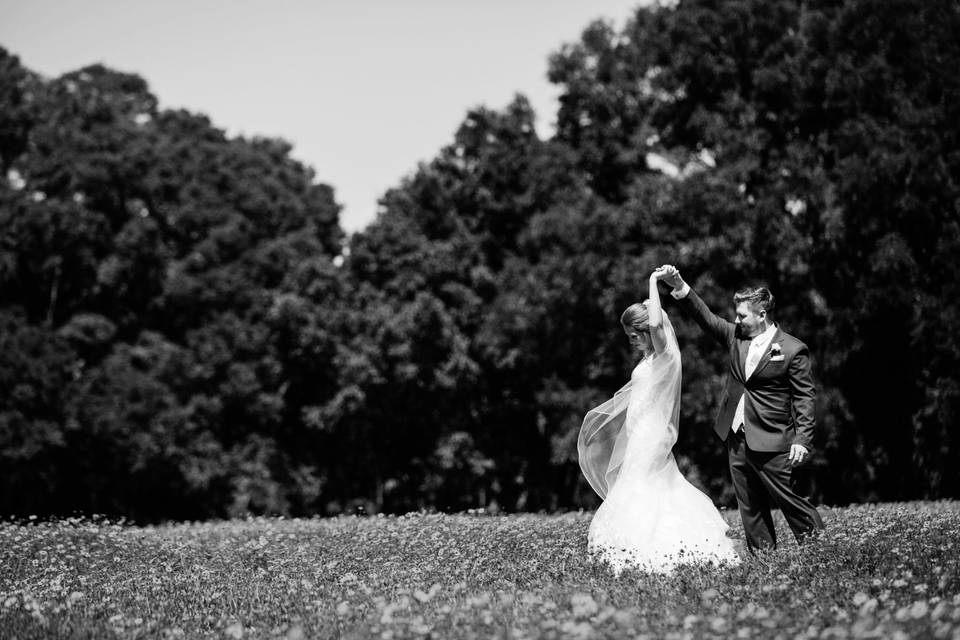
{"x":879,"y":571}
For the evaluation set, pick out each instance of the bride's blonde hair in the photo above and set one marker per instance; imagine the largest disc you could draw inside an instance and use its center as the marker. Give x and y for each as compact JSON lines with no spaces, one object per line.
{"x":636,"y":316}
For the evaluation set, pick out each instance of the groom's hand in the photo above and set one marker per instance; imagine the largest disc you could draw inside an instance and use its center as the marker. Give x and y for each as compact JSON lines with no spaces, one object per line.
{"x":798,"y":453}
{"x":671,"y":276}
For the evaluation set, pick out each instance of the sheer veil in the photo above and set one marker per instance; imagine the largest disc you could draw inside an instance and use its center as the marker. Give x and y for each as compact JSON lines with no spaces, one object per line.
{"x":605,"y":432}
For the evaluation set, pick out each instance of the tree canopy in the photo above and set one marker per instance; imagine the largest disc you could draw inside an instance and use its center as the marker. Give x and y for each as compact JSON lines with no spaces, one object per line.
{"x":188,"y":333}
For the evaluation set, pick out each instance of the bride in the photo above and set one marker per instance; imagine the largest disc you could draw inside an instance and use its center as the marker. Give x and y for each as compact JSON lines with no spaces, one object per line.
{"x":651,"y":518}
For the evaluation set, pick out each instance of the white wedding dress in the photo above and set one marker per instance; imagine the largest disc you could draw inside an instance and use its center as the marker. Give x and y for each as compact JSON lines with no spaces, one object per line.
{"x":651,"y":518}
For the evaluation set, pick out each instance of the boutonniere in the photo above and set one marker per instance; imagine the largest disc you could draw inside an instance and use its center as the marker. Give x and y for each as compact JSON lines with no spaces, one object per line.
{"x":775,"y":353}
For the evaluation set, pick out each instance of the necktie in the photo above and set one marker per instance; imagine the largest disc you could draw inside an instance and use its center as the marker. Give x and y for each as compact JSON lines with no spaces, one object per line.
{"x":753,"y":359}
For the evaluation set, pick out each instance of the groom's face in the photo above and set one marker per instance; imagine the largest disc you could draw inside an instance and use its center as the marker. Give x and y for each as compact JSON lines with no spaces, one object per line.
{"x":750,"y":321}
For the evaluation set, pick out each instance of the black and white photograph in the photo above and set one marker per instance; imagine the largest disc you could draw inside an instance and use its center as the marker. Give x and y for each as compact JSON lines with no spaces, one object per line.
{"x":437,"y":319}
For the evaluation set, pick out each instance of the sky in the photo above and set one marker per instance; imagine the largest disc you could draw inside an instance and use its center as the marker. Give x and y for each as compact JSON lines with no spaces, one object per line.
{"x":364,"y":90}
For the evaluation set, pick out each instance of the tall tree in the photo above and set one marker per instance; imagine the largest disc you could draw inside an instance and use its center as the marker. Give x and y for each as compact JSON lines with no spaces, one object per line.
{"x":151,"y":249}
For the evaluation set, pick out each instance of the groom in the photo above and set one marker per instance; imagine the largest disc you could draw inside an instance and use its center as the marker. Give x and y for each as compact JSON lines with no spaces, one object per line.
{"x":766,"y":416}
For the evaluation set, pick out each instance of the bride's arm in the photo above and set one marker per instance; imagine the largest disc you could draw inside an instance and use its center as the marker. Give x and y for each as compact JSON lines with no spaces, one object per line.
{"x":657,"y":334}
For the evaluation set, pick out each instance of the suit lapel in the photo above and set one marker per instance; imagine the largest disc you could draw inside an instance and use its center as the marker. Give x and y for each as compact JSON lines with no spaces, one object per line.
{"x":765,"y":359}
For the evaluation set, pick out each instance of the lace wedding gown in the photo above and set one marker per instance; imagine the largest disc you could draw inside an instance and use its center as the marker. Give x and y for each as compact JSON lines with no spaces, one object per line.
{"x":651,"y":518}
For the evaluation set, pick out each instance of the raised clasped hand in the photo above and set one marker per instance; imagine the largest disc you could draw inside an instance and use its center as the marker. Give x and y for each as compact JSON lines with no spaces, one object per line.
{"x":661,"y":273}
{"x":667,"y":273}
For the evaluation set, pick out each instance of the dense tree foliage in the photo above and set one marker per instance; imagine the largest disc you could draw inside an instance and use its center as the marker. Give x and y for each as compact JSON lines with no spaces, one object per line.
{"x":146,"y":261}
{"x":186,"y":333}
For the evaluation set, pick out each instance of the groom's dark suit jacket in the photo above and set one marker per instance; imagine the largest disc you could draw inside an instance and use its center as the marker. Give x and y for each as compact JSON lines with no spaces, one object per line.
{"x":780,"y":396}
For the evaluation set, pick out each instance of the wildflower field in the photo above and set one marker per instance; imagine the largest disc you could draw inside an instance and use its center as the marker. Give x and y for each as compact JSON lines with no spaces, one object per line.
{"x":880,"y":571}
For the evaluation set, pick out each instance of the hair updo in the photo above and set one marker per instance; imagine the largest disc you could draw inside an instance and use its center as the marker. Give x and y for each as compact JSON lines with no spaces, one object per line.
{"x":636,"y":316}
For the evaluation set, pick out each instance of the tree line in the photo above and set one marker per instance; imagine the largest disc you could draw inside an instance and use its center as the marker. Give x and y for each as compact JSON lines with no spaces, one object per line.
{"x":186,"y":331}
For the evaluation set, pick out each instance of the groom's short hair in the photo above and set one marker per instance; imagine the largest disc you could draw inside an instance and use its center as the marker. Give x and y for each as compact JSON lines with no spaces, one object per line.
{"x":759,"y":298}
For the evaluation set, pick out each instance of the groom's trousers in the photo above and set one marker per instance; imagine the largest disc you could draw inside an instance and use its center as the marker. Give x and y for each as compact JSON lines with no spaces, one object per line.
{"x":761,"y":481}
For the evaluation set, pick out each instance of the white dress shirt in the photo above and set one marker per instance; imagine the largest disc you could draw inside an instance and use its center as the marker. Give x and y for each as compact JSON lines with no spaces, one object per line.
{"x":681,"y":293}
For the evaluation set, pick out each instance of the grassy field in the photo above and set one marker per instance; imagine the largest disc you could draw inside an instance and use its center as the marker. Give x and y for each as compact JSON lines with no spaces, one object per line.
{"x":881,"y":571}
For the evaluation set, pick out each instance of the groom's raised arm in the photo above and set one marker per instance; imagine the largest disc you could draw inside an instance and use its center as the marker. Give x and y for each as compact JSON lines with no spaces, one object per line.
{"x":722,"y":330}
